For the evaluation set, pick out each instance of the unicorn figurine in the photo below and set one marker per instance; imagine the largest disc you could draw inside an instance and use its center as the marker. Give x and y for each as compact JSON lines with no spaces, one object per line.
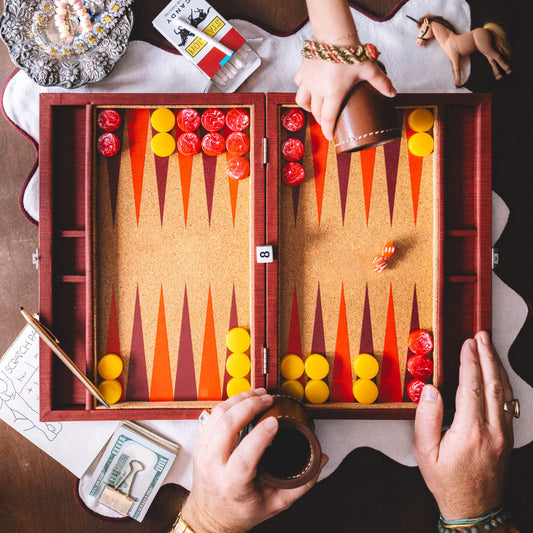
{"x":490,"y":40}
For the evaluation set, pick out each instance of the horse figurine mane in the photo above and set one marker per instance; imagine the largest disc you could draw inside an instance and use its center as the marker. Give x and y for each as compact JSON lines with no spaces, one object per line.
{"x":438,"y":19}
{"x":490,"y":40}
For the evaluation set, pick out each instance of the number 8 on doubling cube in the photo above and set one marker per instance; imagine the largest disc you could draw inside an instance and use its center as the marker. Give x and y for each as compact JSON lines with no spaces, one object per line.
{"x":264,"y":254}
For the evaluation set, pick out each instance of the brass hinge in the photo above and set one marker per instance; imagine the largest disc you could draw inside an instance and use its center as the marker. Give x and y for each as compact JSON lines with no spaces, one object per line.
{"x":495,"y":258}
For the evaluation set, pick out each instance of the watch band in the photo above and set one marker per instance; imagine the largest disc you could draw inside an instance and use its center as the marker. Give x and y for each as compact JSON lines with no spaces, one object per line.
{"x":180,"y":526}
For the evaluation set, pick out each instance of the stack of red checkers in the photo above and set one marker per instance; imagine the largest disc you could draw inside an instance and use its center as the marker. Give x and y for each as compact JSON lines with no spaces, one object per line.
{"x":237,"y":143}
{"x":108,"y":144}
{"x":292,"y":149}
{"x":188,"y":121}
{"x":420,"y":366}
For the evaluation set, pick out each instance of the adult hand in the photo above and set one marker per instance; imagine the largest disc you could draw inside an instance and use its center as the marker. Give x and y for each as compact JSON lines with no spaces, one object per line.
{"x":323,"y":86}
{"x":465,"y":468}
{"x":226,"y":495}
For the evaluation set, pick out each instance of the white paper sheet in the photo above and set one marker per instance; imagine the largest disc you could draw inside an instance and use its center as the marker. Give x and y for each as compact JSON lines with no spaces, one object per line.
{"x":73,"y":444}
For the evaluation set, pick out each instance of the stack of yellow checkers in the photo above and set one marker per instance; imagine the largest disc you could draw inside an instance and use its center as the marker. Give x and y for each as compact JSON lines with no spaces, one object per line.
{"x":131,"y":470}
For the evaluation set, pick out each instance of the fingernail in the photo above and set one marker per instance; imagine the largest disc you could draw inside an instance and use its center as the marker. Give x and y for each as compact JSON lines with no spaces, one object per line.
{"x":271,"y":423}
{"x":430,"y":393}
{"x":484,"y":337}
{"x":471,"y":343}
{"x":260,"y":391}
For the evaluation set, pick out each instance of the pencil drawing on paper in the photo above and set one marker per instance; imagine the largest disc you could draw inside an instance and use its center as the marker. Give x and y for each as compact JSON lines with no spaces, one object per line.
{"x":19,"y":390}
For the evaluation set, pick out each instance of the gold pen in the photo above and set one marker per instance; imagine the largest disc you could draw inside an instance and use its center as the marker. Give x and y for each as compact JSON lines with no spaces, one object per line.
{"x":53,"y":344}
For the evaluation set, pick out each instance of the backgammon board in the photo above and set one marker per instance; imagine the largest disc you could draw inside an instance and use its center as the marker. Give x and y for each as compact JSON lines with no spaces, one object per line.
{"x":154,"y":258}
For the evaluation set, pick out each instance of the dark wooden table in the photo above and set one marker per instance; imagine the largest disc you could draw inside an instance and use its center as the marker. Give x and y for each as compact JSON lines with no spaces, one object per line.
{"x":368,"y":492}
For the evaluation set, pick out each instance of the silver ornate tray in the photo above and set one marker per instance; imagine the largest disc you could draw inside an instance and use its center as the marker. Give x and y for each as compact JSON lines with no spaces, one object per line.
{"x":33,"y":37}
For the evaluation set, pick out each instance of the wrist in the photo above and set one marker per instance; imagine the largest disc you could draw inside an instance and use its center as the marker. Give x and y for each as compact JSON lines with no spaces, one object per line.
{"x":332,"y":22}
{"x":199,"y":519}
{"x":338,"y":39}
{"x":494,"y":521}
{"x":461,"y":510}
{"x":180,"y":526}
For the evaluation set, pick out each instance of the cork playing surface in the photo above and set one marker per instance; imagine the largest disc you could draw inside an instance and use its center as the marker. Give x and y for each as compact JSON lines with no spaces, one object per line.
{"x":172,"y":270}
{"x":331,"y":227}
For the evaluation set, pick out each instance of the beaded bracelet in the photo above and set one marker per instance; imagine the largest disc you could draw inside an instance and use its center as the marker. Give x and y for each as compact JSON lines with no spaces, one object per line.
{"x":496,"y":518}
{"x":62,"y":18}
{"x":339,"y":54}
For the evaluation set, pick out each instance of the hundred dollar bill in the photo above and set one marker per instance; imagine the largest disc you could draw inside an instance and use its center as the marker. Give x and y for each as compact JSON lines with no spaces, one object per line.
{"x":132,"y":469}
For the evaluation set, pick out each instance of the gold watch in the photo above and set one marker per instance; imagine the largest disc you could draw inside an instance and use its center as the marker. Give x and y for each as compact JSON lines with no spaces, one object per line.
{"x":180,"y":526}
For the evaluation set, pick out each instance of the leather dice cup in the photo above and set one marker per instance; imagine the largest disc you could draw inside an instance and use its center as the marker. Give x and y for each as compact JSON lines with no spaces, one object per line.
{"x":367,"y":119}
{"x":294,"y":457}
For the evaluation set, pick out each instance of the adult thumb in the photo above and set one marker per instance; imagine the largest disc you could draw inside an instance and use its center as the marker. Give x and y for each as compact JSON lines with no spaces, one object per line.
{"x":428,"y":423}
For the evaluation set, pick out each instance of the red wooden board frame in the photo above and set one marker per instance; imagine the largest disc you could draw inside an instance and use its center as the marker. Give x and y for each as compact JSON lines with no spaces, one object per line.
{"x":65,"y":269}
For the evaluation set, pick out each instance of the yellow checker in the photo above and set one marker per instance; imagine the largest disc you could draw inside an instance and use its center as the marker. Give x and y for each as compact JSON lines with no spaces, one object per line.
{"x":293,"y":388}
{"x":163,"y":119}
{"x":420,"y":144}
{"x":420,"y":119}
{"x":237,"y":385}
{"x":238,"y":365}
{"x":111,"y":390}
{"x":292,"y":366}
{"x":316,"y":391}
{"x":316,"y":366}
{"x":365,"y":391}
{"x":110,"y":366}
{"x":365,"y":366}
{"x":238,"y":340}
{"x":163,"y":144}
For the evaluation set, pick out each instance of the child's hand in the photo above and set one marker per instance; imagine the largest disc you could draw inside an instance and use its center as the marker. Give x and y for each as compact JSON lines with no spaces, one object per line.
{"x":323,"y":86}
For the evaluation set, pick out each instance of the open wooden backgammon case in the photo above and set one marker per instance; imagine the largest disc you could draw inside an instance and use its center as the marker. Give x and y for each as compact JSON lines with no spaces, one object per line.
{"x":155,"y":258}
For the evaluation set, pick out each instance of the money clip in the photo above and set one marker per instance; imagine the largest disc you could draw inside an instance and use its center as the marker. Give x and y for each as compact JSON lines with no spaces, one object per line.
{"x":119,"y":497}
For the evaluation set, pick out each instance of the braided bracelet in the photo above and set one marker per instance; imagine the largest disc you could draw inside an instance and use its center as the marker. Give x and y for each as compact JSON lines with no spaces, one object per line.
{"x":496,"y":518}
{"x":340,"y":54}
